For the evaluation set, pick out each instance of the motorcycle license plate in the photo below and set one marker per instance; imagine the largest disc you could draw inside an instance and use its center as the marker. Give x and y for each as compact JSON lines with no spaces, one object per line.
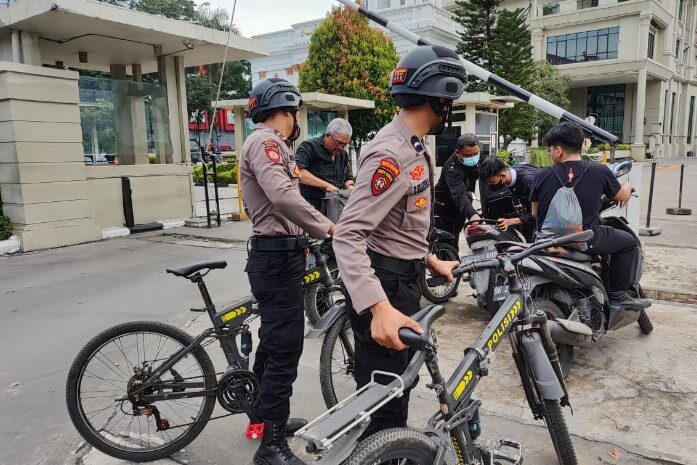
{"x":501,"y":293}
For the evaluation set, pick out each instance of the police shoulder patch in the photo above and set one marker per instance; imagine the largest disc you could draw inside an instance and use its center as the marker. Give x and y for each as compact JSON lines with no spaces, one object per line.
{"x":384,"y":175}
{"x":272,"y":150}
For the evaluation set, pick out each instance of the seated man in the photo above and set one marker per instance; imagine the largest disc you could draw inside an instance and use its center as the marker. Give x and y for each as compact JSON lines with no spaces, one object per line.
{"x":323,"y":164}
{"x":455,"y":187}
{"x":590,"y":181}
{"x":512,"y":209}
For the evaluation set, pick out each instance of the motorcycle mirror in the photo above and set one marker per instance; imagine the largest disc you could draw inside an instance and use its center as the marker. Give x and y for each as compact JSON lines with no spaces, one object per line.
{"x":620,"y":169}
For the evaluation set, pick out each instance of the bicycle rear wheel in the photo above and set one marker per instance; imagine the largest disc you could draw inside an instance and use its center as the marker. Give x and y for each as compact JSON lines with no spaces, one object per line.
{"x":403,"y":446}
{"x":103,"y":392}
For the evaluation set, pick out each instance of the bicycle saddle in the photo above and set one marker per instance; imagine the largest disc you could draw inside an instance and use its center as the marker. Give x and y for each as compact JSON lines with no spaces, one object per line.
{"x":424,"y":317}
{"x":187,"y":271}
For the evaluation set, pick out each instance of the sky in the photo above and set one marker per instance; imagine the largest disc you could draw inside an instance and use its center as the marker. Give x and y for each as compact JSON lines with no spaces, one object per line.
{"x":254,"y":17}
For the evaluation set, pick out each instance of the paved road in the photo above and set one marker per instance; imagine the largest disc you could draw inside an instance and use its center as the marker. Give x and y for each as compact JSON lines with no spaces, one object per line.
{"x":628,"y":393}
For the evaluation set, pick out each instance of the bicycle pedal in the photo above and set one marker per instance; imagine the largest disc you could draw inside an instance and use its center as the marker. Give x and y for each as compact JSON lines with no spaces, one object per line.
{"x":255,"y":431}
{"x":506,"y":451}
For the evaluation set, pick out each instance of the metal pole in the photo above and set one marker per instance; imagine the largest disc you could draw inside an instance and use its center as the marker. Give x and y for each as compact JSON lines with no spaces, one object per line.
{"x":205,"y":186}
{"x":653,"y":178}
{"x":488,"y":77}
{"x":682,"y":174}
{"x":215,"y":190}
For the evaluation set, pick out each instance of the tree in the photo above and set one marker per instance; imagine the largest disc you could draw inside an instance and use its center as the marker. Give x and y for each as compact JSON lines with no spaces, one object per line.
{"x":200,"y":92}
{"x":551,"y":84}
{"x":348,"y":57}
{"x":511,"y":49}
{"x":478,"y":19}
{"x":175,"y":9}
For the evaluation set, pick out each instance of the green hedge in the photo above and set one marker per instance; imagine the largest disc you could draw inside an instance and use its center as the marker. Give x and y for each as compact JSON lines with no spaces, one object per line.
{"x":540,"y":157}
{"x":5,"y":228}
{"x":605,"y":147}
{"x":227,"y":173}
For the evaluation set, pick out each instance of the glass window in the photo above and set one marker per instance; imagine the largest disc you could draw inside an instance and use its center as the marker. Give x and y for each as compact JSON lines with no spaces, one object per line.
{"x":652,"y":42}
{"x":690,"y":120}
{"x":677,"y":49}
{"x":101,"y":100}
{"x":599,"y":44}
{"x":317,"y":122}
{"x":608,"y":103}
{"x":402,"y":2}
{"x":681,"y":9}
{"x":382,"y":4}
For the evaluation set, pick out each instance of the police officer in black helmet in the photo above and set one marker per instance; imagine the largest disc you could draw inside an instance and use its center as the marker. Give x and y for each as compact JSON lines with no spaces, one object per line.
{"x":381,"y":243}
{"x":276,"y":260}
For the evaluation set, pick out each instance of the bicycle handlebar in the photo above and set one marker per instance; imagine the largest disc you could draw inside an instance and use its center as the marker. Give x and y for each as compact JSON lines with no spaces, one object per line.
{"x":583,"y":236}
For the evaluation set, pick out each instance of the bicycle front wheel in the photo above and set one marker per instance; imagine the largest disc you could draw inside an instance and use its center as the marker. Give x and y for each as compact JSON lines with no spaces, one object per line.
{"x":402,"y":446}
{"x":556,"y":425}
{"x":336,"y":370}
{"x":107,"y":400}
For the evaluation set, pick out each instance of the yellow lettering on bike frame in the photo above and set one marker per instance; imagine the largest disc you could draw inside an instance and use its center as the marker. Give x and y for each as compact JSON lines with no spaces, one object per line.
{"x":232,"y":314}
{"x":503,"y":327}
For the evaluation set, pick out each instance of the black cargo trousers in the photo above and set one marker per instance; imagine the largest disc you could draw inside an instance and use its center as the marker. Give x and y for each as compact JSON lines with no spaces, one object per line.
{"x":400,"y":281}
{"x":275,"y":280}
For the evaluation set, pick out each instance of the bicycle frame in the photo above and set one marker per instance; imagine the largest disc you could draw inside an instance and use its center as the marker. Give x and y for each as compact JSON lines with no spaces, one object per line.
{"x":538,"y":366}
{"x":228,"y":323}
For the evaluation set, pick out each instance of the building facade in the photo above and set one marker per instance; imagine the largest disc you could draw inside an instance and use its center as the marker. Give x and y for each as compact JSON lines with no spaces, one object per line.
{"x":632,"y":64}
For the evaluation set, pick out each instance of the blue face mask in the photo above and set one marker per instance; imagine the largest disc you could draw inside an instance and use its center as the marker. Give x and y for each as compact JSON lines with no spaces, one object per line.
{"x":471,"y":161}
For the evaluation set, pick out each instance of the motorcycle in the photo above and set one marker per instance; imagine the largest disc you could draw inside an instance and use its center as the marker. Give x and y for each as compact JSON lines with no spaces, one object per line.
{"x":571,"y":287}
{"x":444,"y":246}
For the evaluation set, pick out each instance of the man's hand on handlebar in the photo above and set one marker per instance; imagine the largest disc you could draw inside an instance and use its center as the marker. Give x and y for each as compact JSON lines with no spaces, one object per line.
{"x":505,"y":223}
{"x":438,"y":267}
{"x":387,"y":321}
{"x":332,"y":230}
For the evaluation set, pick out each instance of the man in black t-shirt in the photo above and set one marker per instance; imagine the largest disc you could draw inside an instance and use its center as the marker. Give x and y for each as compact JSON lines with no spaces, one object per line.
{"x":507,"y":196}
{"x":590,"y":180}
{"x":323,"y":164}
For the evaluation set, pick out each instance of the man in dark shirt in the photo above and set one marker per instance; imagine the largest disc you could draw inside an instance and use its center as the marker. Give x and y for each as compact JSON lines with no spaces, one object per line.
{"x":590,"y":180}
{"x":455,"y":186}
{"x":323,"y":163}
{"x":511,"y":208}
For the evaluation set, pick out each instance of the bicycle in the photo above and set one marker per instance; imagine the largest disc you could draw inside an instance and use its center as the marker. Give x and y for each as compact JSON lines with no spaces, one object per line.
{"x":143,"y":390}
{"x":450,"y":434}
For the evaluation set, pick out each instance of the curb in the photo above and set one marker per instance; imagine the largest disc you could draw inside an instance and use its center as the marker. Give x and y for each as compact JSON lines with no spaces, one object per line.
{"x":670,"y":295}
{"x":10,"y":246}
{"x":121,"y":231}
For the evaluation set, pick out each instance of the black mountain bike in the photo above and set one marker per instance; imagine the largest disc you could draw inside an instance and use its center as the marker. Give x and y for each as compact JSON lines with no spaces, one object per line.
{"x":143,"y":390}
{"x":451,"y":433}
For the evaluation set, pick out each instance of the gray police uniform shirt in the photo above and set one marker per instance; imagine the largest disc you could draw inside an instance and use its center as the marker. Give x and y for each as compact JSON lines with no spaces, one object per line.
{"x":271,"y":196}
{"x":389,"y":210}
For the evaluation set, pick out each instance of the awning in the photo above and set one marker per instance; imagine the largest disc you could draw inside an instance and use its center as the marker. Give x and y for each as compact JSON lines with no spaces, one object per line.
{"x":114,"y":35}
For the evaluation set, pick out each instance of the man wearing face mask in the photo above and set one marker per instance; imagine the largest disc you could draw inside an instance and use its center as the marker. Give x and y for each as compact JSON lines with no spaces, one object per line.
{"x":455,"y":188}
{"x":276,"y":262}
{"x":381,"y":243}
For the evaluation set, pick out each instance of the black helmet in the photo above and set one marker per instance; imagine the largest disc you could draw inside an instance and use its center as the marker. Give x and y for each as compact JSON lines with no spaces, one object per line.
{"x":272,"y":94}
{"x":427,"y":71}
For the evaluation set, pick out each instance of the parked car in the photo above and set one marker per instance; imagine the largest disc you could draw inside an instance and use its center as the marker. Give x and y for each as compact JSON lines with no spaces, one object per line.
{"x":96,"y":159}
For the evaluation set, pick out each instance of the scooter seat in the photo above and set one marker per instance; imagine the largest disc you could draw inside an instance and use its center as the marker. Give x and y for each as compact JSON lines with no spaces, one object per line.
{"x":571,"y":254}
